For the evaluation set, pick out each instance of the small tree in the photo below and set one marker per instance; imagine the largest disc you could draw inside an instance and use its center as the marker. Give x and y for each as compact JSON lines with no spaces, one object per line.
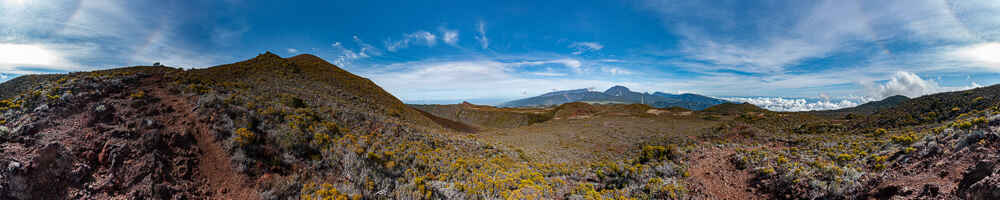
{"x":157,"y":64}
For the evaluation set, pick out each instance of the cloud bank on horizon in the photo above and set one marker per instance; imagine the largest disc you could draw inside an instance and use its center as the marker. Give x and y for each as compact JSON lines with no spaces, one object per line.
{"x":799,"y":54}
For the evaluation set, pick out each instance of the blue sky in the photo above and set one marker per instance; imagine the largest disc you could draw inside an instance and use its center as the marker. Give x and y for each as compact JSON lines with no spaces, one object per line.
{"x":489,"y":51}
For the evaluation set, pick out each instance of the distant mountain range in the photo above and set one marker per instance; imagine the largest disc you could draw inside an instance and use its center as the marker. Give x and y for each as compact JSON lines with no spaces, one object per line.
{"x":618,"y":94}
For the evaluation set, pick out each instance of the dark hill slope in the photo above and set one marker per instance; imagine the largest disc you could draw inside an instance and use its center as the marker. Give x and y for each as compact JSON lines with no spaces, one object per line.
{"x":734,"y":108}
{"x":934,"y":108}
{"x":863,"y":109}
{"x":487,"y":117}
{"x":306,"y":79}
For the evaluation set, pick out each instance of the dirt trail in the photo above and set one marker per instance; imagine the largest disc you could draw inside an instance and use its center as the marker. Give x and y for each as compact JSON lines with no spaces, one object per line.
{"x":214,"y":163}
{"x":713,"y":175}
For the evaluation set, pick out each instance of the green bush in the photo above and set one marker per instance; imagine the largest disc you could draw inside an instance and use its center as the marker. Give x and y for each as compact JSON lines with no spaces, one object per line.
{"x":904,"y":139}
{"x":656,"y":153}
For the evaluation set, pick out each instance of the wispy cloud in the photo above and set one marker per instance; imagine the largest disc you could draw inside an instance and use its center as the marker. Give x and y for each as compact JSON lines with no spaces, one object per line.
{"x":573,"y":64}
{"x":484,"y":42}
{"x":228,"y":35}
{"x":827,"y":27}
{"x":449,"y":36}
{"x":345,"y":56}
{"x":419,"y":37}
{"x":581,"y":47}
{"x":547,"y":74}
{"x":366,"y":49}
{"x":616,"y":70}
{"x":292,"y":50}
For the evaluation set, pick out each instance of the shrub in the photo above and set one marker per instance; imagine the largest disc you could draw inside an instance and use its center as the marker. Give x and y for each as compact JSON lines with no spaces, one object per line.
{"x":323,"y":191}
{"x":321,"y":139}
{"x":979,"y":121}
{"x":138,"y":95}
{"x":782,"y":159}
{"x":52,"y":96}
{"x":977,"y":100}
{"x":244,"y":137}
{"x":766,"y":171}
{"x":961,"y":124}
{"x":880,"y":132}
{"x":904,"y":139}
{"x":655,"y":153}
{"x":6,"y":104}
{"x":843,"y":157}
{"x":198,"y":88}
{"x":293,"y":102}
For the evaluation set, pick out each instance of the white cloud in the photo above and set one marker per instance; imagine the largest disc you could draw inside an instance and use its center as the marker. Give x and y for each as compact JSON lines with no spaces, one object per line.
{"x":910,"y":85}
{"x":366,"y":49}
{"x":616,"y":70}
{"x":986,"y":54}
{"x":345,"y":56}
{"x":449,"y":36}
{"x":291,"y":50}
{"x":427,"y":37}
{"x":419,"y":37}
{"x":548,"y":74}
{"x":795,"y":104}
{"x":25,"y":54}
{"x":484,"y":42}
{"x":85,"y":35}
{"x":581,"y":47}
{"x":903,"y":83}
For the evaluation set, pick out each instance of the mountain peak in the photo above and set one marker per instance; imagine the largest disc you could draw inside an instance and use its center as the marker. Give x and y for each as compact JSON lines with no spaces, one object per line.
{"x":896,"y":98}
{"x":266,"y":55}
{"x":307,"y":56}
{"x":617,"y":90}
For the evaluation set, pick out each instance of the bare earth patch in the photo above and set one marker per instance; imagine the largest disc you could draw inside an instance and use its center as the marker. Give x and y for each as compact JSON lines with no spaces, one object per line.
{"x":713,"y":175}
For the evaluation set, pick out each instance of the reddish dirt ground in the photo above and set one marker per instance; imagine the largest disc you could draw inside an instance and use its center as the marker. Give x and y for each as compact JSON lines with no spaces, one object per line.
{"x":713,"y":175}
{"x":214,"y":165}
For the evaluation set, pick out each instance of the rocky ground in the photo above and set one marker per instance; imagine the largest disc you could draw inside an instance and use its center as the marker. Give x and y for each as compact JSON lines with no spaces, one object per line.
{"x":123,"y":137}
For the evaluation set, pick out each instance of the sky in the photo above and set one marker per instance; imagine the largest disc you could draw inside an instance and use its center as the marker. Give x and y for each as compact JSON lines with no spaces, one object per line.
{"x":786,"y":55}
